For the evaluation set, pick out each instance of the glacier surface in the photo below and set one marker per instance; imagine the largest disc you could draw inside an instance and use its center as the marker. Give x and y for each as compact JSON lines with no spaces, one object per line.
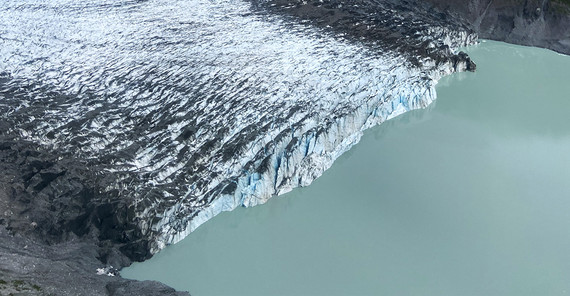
{"x":189,"y":108}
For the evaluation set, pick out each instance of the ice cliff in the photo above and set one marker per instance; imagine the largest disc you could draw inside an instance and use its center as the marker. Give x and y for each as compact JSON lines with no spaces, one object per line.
{"x":185,"y":109}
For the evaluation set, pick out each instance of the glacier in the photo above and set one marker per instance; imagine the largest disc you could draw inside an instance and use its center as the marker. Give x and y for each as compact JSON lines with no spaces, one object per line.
{"x":186,"y":109}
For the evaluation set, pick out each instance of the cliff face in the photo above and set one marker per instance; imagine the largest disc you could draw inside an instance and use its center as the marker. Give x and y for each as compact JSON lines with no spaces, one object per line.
{"x":541,"y":23}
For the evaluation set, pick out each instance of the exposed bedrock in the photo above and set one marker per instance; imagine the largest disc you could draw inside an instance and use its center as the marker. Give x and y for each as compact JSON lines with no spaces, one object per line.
{"x":56,"y":231}
{"x":541,"y":23}
{"x":67,"y":269}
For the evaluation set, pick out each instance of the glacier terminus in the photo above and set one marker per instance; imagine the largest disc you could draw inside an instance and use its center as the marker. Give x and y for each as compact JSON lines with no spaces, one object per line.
{"x":179,"y":110}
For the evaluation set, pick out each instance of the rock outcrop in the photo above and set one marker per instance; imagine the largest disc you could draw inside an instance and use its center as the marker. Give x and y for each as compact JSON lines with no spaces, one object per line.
{"x":540,"y":23}
{"x":56,"y":231}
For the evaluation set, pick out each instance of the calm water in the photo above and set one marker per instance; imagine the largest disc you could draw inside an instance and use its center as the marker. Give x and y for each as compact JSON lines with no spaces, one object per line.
{"x":468,"y":197}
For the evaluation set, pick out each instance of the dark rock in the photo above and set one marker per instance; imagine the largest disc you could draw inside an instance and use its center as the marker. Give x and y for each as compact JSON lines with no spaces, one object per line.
{"x":68,"y":268}
{"x":55,"y":229}
{"x":144,"y":288}
{"x":541,"y":23}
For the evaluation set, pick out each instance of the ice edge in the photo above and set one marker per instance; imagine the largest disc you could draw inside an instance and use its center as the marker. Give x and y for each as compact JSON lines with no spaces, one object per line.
{"x":314,"y":152}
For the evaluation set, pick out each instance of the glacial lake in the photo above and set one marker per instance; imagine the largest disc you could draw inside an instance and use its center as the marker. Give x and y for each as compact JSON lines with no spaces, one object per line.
{"x":470,"y":196}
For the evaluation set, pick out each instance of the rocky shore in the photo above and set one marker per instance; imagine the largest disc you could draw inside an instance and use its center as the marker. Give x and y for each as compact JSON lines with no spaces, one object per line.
{"x":68,"y":268}
{"x":57,"y":236}
{"x":540,"y":23}
{"x":73,"y":213}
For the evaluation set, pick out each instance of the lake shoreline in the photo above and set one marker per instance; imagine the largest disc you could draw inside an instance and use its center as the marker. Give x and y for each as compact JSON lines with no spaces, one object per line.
{"x":40,"y":241}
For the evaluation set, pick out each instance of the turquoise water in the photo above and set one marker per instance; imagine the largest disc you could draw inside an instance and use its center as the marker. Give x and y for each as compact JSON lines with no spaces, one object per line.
{"x":468,"y":197}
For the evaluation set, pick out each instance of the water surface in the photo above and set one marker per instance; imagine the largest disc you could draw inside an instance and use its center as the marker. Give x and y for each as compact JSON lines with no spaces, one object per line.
{"x":467,"y":197}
